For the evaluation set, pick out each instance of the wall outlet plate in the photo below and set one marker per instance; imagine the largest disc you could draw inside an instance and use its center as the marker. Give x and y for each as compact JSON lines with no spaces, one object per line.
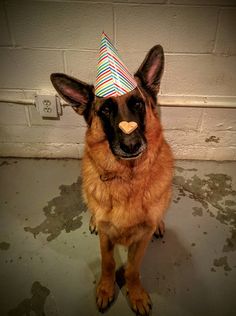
{"x":48,"y":105}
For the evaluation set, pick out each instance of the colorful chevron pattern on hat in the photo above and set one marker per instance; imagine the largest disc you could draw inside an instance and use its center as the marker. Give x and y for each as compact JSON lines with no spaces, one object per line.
{"x":113,"y":78}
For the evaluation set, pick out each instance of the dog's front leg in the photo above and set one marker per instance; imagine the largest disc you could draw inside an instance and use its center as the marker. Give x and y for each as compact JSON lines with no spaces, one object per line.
{"x":106,"y":286}
{"x":139,"y":298}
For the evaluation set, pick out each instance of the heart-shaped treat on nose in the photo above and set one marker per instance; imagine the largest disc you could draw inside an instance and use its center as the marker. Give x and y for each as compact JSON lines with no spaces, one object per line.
{"x":128,"y":127}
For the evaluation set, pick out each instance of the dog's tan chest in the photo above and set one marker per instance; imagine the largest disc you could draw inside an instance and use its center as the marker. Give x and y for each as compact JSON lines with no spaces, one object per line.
{"x":122,"y":233}
{"x":123,"y":215}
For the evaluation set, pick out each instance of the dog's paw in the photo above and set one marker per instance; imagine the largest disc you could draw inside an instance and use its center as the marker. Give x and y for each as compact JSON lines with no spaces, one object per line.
{"x":140,"y":301}
{"x":160,"y":231}
{"x":92,"y":226}
{"x":105,"y":296}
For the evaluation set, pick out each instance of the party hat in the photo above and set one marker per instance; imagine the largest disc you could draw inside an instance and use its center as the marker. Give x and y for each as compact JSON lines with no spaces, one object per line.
{"x":113,"y":78}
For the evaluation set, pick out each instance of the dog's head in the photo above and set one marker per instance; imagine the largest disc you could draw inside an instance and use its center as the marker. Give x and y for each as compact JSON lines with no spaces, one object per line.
{"x":130,"y":107}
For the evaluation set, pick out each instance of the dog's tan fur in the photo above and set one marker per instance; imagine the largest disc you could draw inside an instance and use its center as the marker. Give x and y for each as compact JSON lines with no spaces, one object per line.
{"x":127,"y":198}
{"x":129,"y":205}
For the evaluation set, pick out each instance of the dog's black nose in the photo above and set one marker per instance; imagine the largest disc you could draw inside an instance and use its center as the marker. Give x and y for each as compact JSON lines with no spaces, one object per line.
{"x":130,"y":147}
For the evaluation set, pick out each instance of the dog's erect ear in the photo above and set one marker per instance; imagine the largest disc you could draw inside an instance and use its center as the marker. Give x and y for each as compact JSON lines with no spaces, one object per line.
{"x":150,"y":72}
{"x":78,"y":94}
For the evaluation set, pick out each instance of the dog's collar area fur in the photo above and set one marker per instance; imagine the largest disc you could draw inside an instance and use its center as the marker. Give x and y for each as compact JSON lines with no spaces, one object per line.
{"x":107,"y":176}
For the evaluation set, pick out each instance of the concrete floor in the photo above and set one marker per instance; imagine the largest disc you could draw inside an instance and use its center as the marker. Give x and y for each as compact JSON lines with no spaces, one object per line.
{"x":50,"y":263}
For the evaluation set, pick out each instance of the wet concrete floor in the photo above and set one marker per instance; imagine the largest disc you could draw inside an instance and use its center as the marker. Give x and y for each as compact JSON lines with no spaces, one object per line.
{"x":50,"y":264}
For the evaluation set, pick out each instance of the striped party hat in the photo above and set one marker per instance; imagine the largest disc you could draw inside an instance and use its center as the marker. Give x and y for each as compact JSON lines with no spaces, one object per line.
{"x":113,"y":78}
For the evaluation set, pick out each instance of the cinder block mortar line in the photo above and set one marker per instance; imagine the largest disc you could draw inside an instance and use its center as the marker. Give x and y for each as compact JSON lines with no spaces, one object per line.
{"x":191,"y":95}
{"x":140,"y":4}
{"x":167,"y":2}
{"x":186,"y":54}
{"x":64,"y":61}
{"x":200,"y":122}
{"x":217,"y":30}
{"x":114,"y":24}
{"x":23,"y":90}
{"x":207,"y":5}
{"x":27,"y":111}
{"x":27,"y":116}
{"x":50,"y":48}
{"x":190,"y":5}
{"x":12,"y":39}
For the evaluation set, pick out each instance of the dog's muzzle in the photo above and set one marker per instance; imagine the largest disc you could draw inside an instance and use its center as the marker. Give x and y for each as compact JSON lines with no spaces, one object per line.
{"x":129,"y":147}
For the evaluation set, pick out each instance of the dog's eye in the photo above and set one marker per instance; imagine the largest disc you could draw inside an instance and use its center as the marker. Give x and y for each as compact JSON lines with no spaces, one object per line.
{"x":139,"y":105}
{"x":105,"y":111}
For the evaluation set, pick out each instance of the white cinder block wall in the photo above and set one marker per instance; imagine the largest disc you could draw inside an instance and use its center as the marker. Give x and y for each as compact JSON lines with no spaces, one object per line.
{"x":199,"y":38}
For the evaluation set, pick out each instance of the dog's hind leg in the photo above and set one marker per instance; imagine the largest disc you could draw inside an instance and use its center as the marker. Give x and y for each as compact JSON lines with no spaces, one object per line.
{"x":139,"y":298}
{"x":106,"y":286}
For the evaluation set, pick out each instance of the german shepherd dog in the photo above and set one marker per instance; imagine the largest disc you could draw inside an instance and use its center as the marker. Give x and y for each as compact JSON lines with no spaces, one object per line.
{"x":126,"y":177}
